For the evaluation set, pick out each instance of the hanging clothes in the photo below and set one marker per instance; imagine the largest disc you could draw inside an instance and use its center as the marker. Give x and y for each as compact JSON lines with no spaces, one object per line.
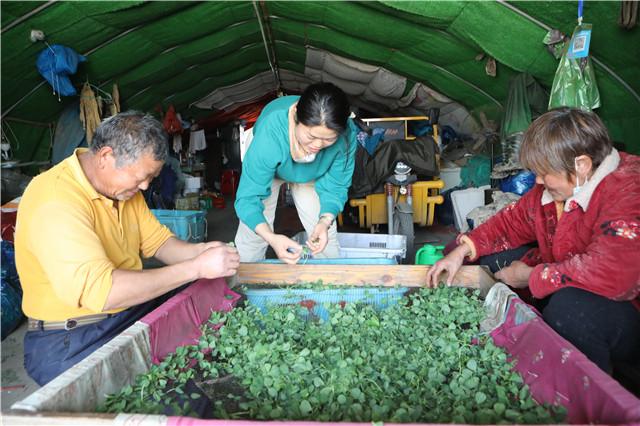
{"x":197,"y":141}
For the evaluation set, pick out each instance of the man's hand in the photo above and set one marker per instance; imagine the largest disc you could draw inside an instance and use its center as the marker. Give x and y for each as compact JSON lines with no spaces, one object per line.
{"x":450,"y":263}
{"x":285,"y":248}
{"x":515,"y":275}
{"x":218,"y":260}
{"x":319,"y":238}
{"x":208,"y":245}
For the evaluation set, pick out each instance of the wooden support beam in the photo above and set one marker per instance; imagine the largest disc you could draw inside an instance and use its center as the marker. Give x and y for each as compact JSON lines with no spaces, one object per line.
{"x":357,"y":275}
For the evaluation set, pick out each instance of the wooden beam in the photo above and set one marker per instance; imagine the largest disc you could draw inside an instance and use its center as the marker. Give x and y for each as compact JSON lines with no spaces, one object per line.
{"x":357,"y":275}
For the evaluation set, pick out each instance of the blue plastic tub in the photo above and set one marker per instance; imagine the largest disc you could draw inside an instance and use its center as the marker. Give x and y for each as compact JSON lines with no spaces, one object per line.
{"x":188,"y":225}
{"x":342,"y":261}
{"x":316,"y":300}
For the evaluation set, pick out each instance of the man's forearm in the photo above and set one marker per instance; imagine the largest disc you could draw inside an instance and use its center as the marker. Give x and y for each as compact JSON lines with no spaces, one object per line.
{"x":174,"y":251}
{"x":130,"y":288}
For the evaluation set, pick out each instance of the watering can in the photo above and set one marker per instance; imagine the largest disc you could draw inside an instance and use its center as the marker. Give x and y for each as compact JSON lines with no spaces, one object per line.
{"x":429,"y":254}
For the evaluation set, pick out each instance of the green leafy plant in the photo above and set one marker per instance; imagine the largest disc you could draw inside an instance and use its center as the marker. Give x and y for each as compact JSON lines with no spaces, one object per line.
{"x":423,"y":360}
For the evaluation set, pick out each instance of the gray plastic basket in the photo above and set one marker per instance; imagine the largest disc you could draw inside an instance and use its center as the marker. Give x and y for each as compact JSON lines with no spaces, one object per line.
{"x":367,"y":245}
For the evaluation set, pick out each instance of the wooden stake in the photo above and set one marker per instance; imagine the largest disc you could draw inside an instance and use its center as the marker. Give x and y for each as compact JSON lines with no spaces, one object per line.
{"x":357,"y":275}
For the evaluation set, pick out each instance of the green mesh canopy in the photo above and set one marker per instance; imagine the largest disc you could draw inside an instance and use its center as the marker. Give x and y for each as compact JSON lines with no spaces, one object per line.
{"x":162,"y":53}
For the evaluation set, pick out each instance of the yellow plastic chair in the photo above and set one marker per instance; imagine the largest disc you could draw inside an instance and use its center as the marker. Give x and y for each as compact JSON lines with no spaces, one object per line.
{"x":372,"y":210}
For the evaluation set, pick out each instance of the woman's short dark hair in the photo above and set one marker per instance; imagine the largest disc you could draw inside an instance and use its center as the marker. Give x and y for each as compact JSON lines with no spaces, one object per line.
{"x":323,"y":104}
{"x":130,"y":134}
{"x":557,"y":137}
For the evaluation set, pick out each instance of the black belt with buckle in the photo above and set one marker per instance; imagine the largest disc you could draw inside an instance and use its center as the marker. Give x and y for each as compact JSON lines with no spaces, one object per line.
{"x":70,"y":324}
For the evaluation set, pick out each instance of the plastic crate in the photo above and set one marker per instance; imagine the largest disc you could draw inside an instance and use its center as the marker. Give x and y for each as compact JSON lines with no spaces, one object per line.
{"x":341,"y":261}
{"x":188,"y":225}
{"x":354,"y":245}
{"x":315,"y":301}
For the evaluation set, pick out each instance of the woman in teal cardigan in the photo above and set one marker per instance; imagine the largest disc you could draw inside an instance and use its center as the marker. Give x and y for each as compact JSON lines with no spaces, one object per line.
{"x":308,"y":142}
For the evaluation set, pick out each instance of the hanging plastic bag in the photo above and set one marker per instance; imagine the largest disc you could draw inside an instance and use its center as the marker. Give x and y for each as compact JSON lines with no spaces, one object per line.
{"x":56,"y":63}
{"x":526,"y":98}
{"x":575,"y":82}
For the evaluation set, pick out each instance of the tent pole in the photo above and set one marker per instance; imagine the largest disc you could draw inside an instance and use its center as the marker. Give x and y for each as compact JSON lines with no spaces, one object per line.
{"x":30,"y":122}
{"x":268,"y":44}
{"x":27,"y":16}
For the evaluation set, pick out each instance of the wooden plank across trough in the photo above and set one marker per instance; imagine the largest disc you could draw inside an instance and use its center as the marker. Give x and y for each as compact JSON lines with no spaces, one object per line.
{"x":357,"y":275}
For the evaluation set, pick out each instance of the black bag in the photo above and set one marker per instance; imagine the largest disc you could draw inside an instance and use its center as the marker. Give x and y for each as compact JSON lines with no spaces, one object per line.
{"x":370,"y":172}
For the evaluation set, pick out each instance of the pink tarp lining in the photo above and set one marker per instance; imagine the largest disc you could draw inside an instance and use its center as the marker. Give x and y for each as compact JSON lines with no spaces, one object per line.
{"x":554,"y":369}
{"x":557,"y":372}
{"x":177,"y":322}
{"x":188,"y":421}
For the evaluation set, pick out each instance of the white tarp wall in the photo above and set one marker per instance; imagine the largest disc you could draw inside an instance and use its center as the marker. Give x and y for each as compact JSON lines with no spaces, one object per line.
{"x":369,"y":87}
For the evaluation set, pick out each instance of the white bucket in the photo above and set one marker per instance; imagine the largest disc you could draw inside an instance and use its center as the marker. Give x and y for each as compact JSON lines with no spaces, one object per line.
{"x":450,"y":176}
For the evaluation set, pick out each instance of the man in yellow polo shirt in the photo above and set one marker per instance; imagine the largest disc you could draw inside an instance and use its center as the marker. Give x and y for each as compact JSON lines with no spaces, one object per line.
{"x":81,"y":229}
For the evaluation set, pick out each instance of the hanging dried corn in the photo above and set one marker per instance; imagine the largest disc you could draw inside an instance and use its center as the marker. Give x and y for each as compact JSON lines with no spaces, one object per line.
{"x":100,"y":104}
{"x":115,"y":94}
{"x":89,"y":115}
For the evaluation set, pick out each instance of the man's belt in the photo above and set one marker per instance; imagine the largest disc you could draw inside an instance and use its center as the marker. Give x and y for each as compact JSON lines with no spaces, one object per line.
{"x":70,"y":324}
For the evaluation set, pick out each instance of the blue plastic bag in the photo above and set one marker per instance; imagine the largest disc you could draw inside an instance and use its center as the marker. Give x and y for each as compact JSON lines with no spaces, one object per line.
{"x":56,"y":63}
{"x":519,"y":184}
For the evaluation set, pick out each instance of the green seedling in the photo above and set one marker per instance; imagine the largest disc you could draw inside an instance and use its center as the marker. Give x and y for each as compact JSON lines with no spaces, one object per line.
{"x":423,"y":360}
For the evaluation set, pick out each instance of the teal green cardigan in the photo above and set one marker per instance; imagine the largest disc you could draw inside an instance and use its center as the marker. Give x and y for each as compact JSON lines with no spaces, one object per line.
{"x":269,"y":156}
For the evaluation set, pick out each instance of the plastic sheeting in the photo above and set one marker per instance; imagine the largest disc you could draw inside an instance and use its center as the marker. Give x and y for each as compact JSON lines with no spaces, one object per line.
{"x":85,"y":385}
{"x":372,"y":84}
{"x":557,"y":372}
{"x":69,"y":134}
{"x":240,"y":93}
{"x":177,"y":322}
{"x":116,"y":364}
{"x":373,"y":88}
{"x":554,"y":370}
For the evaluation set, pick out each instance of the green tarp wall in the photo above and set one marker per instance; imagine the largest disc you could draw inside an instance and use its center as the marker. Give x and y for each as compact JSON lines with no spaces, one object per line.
{"x":177,"y":52}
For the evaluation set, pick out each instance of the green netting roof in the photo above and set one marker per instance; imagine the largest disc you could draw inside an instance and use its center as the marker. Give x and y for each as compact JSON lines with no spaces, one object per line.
{"x":178,"y":52}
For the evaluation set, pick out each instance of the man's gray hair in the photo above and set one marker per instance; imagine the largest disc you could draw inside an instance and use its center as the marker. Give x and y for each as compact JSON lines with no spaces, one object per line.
{"x":131,"y":134}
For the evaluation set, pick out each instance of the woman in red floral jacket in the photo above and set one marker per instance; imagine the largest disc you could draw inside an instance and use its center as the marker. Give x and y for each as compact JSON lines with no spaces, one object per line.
{"x":584,"y":214}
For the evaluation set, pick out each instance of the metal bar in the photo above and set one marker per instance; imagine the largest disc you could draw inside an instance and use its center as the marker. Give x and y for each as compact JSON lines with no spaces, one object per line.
{"x":4,"y":113}
{"x":417,"y":117}
{"x":268,"y":47}
{"x":12,"y":107}
{"x":595,"y":60}
{"x":27,"y":16}
{"x":112,"y":39}
{"x":33,"y":123}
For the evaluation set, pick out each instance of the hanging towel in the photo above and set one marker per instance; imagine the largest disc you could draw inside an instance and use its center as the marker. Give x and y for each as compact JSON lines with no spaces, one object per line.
{"x":197,"y":141}
{"x":177,"y":143}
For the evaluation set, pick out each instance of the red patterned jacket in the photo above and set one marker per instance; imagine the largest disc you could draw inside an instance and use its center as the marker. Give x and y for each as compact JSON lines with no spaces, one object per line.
{"x":595,"y":245}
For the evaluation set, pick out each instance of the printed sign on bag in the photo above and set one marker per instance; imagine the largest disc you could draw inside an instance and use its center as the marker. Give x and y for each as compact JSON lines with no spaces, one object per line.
{"x":579,"y":46}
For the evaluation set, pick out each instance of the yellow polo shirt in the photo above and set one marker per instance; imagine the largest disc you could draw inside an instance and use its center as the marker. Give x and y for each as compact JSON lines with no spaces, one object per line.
{"x":69,"y":239}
